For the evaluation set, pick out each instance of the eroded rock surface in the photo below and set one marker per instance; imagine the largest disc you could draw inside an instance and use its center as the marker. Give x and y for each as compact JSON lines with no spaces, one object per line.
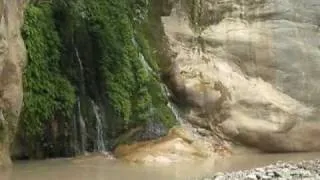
{"x":12,"y":59}
{"x":178,"y":146}
{"x":249,"y":69}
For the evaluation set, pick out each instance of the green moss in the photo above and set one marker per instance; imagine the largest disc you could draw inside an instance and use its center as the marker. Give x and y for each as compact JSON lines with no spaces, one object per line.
{"x":145,"y":49}
{"x":103,"y":31}
{"x":127,"y":82}
{"x":47,"y":92}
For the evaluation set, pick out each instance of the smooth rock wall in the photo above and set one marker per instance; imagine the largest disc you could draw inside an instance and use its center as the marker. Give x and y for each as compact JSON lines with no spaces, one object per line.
{"x":251,"y":67}
{"x":12,"y":61}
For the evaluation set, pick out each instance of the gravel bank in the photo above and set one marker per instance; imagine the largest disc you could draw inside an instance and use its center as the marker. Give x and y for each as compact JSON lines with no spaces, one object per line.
{"x":306,"y":170}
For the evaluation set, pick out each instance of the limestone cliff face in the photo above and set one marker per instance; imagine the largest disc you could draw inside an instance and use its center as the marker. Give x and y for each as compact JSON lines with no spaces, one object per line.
{"x":249,"y":69}
{"x":12,"y":59}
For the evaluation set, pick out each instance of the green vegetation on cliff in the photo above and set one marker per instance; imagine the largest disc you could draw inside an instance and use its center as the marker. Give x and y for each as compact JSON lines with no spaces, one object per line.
{"x":119,"y":70}
{"x":127,"y":80}
{"x":47,"y":92}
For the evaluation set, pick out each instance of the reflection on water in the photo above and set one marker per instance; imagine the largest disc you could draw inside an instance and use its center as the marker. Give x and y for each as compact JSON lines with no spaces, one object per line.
{"x":97,"y":168}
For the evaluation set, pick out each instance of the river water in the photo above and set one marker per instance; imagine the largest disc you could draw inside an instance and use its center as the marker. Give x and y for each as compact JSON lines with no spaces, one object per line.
{"x":99,"y":168}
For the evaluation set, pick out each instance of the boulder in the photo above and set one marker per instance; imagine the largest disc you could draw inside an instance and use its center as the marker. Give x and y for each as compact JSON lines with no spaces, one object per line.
{"x":177,"y":146}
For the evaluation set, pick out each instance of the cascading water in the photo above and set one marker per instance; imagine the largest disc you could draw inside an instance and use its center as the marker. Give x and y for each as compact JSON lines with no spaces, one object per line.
{"x":145,"y":63}
{"x":100,"y":145}
{"x":174,"y":109}
{"x":82,"y":128}
{"x":164,"y":88}
{"x":175,"y":112}
{"x":81,"y":133}
{"x":142,"y":59}
{"x":80,"y":62}
{"x":75,"y":142}
{"x":79,"y":122}
{"x":82,"y":82}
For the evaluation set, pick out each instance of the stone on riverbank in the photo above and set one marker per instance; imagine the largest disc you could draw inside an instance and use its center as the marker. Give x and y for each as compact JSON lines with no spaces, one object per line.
{"x":306,"y":170}
{"x":178,"y":146}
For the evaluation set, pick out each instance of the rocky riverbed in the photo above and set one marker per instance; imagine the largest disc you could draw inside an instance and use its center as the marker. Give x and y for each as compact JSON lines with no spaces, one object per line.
{"x":306,"y":170}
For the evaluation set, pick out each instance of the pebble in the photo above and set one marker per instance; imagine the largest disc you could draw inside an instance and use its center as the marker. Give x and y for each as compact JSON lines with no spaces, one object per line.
{"x":264,"y":177}
{"x":304,"y":170}
{"x":251,"y":177}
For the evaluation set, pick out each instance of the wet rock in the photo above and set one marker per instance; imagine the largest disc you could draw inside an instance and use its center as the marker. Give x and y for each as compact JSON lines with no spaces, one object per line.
{"x":178,"y":146}
{"x":204,"y":132}
{"x":152,"y":130}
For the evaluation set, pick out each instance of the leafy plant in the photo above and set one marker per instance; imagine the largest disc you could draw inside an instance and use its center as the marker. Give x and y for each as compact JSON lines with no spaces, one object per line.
{"x":47,"y":92}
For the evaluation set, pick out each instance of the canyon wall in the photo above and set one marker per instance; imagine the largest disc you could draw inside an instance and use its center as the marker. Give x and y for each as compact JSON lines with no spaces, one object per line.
{"x":12,"y":60}
{"x":246,"y":70}
{"x":91,"y":77}
{"x":249,"y":69}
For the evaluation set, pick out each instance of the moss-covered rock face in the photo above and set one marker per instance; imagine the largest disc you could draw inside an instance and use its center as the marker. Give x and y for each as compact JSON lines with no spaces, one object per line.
{"x":96,"y":51}
{"x":47,"y":92}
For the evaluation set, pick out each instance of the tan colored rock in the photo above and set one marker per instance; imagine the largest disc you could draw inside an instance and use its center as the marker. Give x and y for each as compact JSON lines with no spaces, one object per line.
{"x":12,"y":60}
{"x":177,"y":146}
{"x":265,"y":56}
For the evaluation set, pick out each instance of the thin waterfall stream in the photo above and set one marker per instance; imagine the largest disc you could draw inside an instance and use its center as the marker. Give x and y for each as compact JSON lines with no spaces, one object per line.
{"x":101,"y":147}
{"x":80,"y":62}
{"x":82,"y":129}
{"x":80,"y":126}
{"x":164,"y":88}
{"x":171,"y":105}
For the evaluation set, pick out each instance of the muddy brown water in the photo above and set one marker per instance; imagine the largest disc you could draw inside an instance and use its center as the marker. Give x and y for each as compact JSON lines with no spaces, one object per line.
{"x":99,"y":168}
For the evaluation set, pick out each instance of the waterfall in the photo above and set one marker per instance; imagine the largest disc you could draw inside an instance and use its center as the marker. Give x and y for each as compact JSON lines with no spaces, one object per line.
{"x":82,"y":128}
{"x":80,"y":124}
{"x":82,"y":81}
{"x":175,"y":112}
{"x":91,"y":108}
{"x":75,"y":142}
{"x":134,"y":42}
{"x":145,"y":63}
{"x":164,"y":88}
{"x":99,"y":128}
{"x":79,"y":61}
{"x":174,"y":109}
{"x":142,"y":59}
{"x":165,"y":91}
